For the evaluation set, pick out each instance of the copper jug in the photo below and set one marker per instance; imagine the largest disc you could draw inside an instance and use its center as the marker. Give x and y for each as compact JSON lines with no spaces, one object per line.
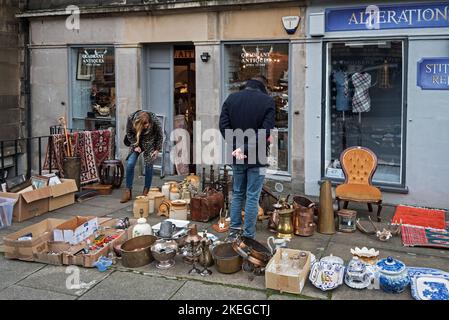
{"x":274,"y":216}
{"x":285,"y":224}
{"x":303,"y":215}
{"x":326,"y":219}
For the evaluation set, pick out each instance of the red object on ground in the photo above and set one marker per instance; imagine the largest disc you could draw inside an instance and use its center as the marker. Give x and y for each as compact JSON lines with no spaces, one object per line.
{"x":425,"y":237}
{"x":420,"y":217}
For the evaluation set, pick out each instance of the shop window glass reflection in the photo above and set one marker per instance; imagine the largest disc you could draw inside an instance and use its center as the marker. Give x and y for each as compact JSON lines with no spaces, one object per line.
{"x":243,"y":61}
{"x":93,"y":88}
{"x":364,"y":105}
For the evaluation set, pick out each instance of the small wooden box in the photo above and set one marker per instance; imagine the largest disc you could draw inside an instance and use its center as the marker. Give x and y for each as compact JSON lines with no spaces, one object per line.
{"x":102,"y":189}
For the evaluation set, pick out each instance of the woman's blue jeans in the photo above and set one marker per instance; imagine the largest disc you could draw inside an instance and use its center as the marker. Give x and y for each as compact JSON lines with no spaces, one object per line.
{"x":246,"y":182}
{"x":131,"y":164}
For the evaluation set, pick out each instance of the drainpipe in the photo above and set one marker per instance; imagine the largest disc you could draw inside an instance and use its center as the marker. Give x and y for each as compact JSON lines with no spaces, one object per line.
{"x":26,"y":83}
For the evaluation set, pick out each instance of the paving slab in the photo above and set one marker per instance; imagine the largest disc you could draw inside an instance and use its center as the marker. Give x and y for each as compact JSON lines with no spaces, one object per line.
{"x":55,"y":278}
{"x":193,"y":290}
{"x":84,"y":209}
{"x":111,"y":202}
{"x":24,"y":293}
{"x":180,"y":271}
{"x":410,"y":260}
{"x":131,"y":286}
{"x":12,"y":271}
{"x":285,"y":297}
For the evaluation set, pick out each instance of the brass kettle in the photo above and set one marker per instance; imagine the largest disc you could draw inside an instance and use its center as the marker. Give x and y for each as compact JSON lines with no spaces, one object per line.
{"x":285,"y":225}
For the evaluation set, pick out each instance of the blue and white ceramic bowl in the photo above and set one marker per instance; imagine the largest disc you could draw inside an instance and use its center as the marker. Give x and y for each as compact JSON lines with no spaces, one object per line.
{"x":393,"y":276}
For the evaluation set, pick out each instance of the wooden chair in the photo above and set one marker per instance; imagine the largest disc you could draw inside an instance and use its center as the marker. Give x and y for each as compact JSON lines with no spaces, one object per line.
{"x":359,"y":165}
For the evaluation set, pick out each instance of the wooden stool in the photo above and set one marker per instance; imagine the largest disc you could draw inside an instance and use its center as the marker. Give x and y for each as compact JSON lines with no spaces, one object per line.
{"x":112,"y":172}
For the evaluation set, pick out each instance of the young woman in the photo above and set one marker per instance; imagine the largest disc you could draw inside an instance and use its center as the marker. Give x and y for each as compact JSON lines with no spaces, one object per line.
{"x":144,"y":135}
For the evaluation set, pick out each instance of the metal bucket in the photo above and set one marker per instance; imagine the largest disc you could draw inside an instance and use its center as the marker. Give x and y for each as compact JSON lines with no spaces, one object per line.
{"x":226,"y":259}
{"x":136,"y":252}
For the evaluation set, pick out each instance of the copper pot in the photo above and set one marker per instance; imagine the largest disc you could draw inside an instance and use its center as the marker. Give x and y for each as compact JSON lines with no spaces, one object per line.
{"x":247,"y":247}
{"x":226,"y":259}
{"x":136,"y":252}
{"x":303,"y":216}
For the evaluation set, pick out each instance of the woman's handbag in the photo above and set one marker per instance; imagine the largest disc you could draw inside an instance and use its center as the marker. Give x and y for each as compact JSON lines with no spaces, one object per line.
{"x":126,"y":141}
{"x":206,"y":206}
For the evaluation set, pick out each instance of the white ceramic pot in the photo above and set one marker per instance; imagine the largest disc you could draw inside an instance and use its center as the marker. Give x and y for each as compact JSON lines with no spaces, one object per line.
{"x":142,"y":228}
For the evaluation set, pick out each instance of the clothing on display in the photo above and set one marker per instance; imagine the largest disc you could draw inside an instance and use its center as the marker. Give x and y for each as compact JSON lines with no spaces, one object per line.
{"x":342,"y":91}
{"x":361,"y":101}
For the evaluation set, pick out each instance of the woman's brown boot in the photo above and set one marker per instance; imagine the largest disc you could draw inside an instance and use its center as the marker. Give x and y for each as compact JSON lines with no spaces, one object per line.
{"x":126,"y":196}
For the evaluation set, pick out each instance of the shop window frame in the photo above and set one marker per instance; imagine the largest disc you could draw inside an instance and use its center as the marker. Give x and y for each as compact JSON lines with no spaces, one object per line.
{"x":384,"y":186}
{"x":223,"y":95}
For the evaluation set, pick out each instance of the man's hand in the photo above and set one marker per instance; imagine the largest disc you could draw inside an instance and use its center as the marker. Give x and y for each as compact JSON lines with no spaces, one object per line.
{"x":154,"y":154}
{"x":238,"y":153}
{"x":137,"y":149}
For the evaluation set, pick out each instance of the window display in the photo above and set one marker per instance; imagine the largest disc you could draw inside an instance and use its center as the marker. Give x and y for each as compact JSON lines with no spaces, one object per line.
{"x":364,"y":105}
{"x":93,"y":88}
{"x":243,"y":61}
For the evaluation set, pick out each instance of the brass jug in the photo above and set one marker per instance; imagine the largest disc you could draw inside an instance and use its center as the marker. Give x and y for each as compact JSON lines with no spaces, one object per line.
{"x":326,"y":219}
{"x":285,"y":225}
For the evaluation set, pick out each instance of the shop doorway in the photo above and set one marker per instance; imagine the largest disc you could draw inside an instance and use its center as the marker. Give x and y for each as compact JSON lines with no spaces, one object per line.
{"x":170,"y":92}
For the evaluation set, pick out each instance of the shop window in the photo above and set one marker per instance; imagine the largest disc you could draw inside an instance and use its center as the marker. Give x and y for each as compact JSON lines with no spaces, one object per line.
{"x":364,"y":105}
{"x":93,"y":88}
{"x":243,"y":61}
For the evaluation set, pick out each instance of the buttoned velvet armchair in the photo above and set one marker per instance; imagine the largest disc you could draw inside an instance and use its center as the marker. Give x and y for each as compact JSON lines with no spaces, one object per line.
{"x":359,"y":165}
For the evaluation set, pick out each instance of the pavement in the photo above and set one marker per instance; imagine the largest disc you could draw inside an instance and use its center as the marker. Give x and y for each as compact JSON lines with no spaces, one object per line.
{"x":28,"y":280}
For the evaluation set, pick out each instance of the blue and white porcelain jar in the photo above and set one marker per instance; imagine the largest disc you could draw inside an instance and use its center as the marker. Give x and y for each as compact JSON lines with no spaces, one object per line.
{"x":393,"y":276}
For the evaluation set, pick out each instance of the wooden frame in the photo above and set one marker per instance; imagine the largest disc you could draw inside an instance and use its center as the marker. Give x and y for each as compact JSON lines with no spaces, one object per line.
{"x":39,"y":182}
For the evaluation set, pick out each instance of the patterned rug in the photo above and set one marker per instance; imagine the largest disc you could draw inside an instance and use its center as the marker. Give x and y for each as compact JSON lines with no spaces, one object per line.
{"x":425,"y":237}
{"x":420,"y":217}
{"x":92,"y":146}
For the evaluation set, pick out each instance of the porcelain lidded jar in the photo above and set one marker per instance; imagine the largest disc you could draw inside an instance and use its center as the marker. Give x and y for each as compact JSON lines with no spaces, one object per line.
{"x":393,"y":275}
{"x":358,"y":275}
{"x":142,"y":228}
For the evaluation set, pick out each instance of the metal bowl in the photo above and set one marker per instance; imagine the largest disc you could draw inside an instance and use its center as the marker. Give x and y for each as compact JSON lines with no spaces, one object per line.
{"x":164,"y":253}
{"x":136,"y":251}
{"x":226,"y":259}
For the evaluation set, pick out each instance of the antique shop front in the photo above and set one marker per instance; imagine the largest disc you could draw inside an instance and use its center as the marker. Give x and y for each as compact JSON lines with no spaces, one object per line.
{"x":377,"y":77}
{"x":179,"y":64}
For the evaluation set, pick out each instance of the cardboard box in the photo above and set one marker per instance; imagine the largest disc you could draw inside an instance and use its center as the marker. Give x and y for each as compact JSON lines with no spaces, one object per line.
{"x":76,"y":229}
{"x":24,"y":250}
{"x":73,"y":256}
{"x":284,"y":282}
{"x":62,"y":195}
{"x":50,"y":252}
{"x":29,"y":204}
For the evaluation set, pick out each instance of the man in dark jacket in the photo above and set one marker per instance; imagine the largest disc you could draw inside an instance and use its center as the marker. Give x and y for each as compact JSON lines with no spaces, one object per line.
{"x":246,"y":119}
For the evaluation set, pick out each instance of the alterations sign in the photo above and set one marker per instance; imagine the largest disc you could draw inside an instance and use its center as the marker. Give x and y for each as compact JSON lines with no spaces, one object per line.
{"x":433,"y":74}
{"x":398,"y":16}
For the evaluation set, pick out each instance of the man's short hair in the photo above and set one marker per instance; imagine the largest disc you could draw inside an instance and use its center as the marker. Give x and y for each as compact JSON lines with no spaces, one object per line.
{"x":261,"y":78}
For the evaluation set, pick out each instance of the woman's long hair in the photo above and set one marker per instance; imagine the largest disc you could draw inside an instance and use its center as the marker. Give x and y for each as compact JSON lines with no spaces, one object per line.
{"x":139,"y":122}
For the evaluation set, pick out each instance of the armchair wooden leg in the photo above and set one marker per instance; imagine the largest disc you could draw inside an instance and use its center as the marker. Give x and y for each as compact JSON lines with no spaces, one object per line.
{"x":379,"y":209}
{"x":370,"y":207}
{"x":345,"y":206}
{"x":338,"y":203}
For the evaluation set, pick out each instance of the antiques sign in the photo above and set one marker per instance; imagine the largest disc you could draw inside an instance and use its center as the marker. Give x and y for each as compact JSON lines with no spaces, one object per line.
{"x":400,"y":16}
{"x":95,"y":58}
{"x":433,"y":74}
{"x":258,"y":58}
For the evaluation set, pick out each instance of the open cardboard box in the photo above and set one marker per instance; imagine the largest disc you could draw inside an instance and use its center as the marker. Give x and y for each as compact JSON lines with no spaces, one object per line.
{"x":29,"y":204}
{"x":285,"y":282}
{"x":50,"y":252}
{"x":24,"y":249}
{"x":62,"y":194}
{"x":76,"y":230}
{"x":73,"y":256}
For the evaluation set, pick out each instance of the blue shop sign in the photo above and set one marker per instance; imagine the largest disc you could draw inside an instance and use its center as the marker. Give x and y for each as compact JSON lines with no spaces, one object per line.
{"x":433,"y":74}
{"x":435,"y":15}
